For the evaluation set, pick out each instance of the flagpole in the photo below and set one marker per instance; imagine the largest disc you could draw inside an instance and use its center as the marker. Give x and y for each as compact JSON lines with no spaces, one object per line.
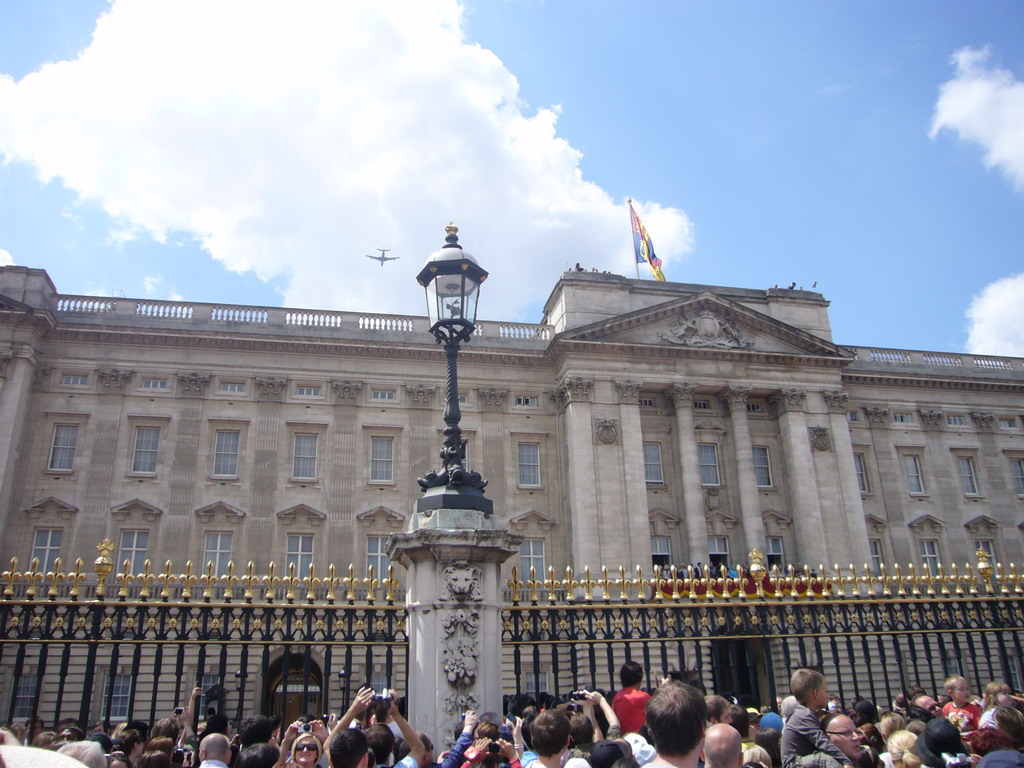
{"x":635,"y":262}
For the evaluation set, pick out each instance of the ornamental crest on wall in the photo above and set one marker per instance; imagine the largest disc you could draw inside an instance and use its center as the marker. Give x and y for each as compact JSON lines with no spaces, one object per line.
{"x":706,"y":329}
{"x":607,"y":431}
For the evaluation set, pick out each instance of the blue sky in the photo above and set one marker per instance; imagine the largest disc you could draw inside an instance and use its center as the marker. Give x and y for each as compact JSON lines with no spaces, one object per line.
{"x":253,"y":152}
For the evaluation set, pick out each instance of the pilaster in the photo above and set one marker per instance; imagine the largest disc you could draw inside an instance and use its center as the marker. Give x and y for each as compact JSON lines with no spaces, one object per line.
{"x":636,"y":524}
{"x":574,"y":395}
{"x":681,"y":397}
{"x":750,"y":508}
{"x":837,"y":404}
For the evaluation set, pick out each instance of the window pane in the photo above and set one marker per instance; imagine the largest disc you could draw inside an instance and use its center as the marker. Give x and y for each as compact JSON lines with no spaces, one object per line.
{"x":912,"y":469}
{"x":377,"y":555}
{"x":773,"y":548}
{"x":861,"y":470}
{"x":531,"y":555}
{"x":707,"y":457}
{"x":25,"y":695}
{"x":62,"y":451}
{"x":218,"y":552}
{"x":968,"y":481}
{"x":304,"y":464}
{"x":529,"y":464}
{"x":300,"y":552}
{"x":46,"y":547}
{"x":147,"y":444}
{"x":875,"y":554}
{"x":225,"y":459}
{"x":929,"y":549}
{"x":652,"y":463}
{"x":120,"y":697}
{"x":1017,"y":468}
{"x":661,"y":551}
{"x":134,"y":549}
{"x":762,"y":466}
{"x":382,"y":459}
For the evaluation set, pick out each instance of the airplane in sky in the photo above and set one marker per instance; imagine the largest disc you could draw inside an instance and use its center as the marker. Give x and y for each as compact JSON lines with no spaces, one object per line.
{"x":382,"y":258}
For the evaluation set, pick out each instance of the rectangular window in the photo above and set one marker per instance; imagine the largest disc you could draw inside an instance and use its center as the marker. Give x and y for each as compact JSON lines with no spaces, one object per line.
{"x":912,"y":471}
{"x":988,"y":547}
{"x":463,"y":399}
{"x":953,"y":666}
{"x":535,"y":682}
{"x":154,"y":383}
{"x":754,"y":407}
{"x":707,"y":460}
{"x":232,"y":386}
{"x":62,"y":449}
{"x":377,"y":555}
{"x":1008,"y":423}
{"x":147,"y":444}
{"x":773,"y":550}
{"x":46,"y":547}
{"x":25,"y":695}
{"x":379,"y":681}
{"x":718,"y":551}
{"x":75,"y":381}
{"x":661,"y":551}
{"x":852,"y":416}
{"x":120,"y":694}
{"x":646,"y":402}
{"x":382,"y":394}
{"x":860,"y":467}
{"x":875,"y":556}
{"x":762,"y":466}
{"x":300,"y":552}
{"x":225,"y":453}
{"x":382,"y":459}
{"x":529,"y":464}
{"x":135,"y":549}
{"x":308,"y":391}
{"x":902,"y":418}
{"x":529,"y":401}
{"x":956,"y":421}
{"x":652,"y":463}
{"x":1017,"y":470}
{"x":702,"y":405}
{"x":929,"y":549}
{"x":1014,"y":669}
{"x":968,"y":478}
{"x":304,"y":458}
{"x":531,"y":556}
{"x":218,"y":552}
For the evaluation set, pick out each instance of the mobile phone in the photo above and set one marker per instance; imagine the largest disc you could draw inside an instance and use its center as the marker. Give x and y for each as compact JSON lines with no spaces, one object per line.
{"x":178,"y":710}
{"x":578,"y":695}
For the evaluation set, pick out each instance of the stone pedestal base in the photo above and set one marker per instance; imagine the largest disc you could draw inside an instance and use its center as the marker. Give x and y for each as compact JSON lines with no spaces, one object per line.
{"x":454,"y":622}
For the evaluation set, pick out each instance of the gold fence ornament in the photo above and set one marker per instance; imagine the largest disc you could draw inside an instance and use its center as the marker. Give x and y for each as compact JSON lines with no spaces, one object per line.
{"x":103,"y":566}
{"x":76,"y":578}
{"x":55,"y":577}
{"x":515,"y":584}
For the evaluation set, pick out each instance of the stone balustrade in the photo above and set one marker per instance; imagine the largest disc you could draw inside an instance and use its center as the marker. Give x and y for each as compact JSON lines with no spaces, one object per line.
{"x":961,"y":363}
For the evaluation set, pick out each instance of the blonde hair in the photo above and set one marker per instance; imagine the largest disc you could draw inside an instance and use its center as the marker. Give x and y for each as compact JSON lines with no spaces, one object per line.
{"x":992,"y":691}
{"x":953,"y":680}
{"x":901,"y":749}
{"x":890,"y":723}
{"x":757,"y":754}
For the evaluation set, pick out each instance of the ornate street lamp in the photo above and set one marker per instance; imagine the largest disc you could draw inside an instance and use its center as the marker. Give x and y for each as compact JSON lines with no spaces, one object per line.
{"x":452,"y":279}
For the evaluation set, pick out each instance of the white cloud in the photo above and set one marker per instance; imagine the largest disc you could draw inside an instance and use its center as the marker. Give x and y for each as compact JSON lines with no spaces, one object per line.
{"x":996,"y":318}
{"x":985,"y":104}
{"x":150,"y":283}
{"x":6,"y":259}
{"x":291,"y":143}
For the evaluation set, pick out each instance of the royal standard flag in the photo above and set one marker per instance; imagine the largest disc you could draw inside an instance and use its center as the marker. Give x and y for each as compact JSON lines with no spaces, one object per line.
{"x":644,"y":247}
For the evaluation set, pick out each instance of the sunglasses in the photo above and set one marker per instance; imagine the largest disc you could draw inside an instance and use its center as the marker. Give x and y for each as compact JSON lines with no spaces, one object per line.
{"x":307,"y":747}
{"x":841,"y":733}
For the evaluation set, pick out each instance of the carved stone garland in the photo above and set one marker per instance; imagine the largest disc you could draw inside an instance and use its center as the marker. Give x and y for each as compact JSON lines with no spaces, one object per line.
{"x":460,"y":625}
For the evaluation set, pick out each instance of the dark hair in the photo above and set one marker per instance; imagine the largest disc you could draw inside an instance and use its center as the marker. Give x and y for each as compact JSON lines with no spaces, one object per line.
{"x":129,"y":740}
{"x":550,"y":732}
{"x":740,"y":720}
{"x":258,"y":756}
{"x":106,"y":743}
{"x":154,"y":760}
{"x":626,"y":762}
{"x":71,"y":732}
{"x":381,"y":741}
{"x":581,"y":731}
{"x":676,"y":715}
{"x":987,"y":740}
{"x":527,"y":729}
{"x":630,"y":674}
{"x":348,"y":748}
{"x":166,"y":727}
{"x":770,"y":740}
{"x":717,"y":706}
{"x":161,"y":744}
{"x":216,"y":723}
{"x":257,"y":729}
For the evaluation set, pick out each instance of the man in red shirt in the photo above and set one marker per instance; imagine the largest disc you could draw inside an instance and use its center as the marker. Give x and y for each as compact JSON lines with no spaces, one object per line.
{"x":630,"y":702}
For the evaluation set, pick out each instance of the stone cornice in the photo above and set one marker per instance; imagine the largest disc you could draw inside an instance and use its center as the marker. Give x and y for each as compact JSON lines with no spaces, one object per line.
{"x":927,"y":382}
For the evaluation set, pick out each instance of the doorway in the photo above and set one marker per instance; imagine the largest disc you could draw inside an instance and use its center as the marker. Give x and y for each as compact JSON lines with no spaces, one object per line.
{"x":295,"y":691}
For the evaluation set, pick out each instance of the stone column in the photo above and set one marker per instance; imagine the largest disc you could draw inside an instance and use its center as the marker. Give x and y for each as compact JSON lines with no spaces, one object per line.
{"x":17,"y":372}
{"x":750,"y":507}
{"x":635,"y":527}
{"x":681,"y":397}
{"x":574,"y":393}
{"x":454,"y":602}
{"x":803,"y":487}
{"x":853,"y":508}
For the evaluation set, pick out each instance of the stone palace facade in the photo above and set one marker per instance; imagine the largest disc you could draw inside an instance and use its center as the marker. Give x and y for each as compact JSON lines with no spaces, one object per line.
{"x":639,"y":423}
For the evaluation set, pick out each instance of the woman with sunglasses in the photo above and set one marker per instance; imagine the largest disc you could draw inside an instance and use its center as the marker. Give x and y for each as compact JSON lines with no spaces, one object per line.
{"x":303,"y":744}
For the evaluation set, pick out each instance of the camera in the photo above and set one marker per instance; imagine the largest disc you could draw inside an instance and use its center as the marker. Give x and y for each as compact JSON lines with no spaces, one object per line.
{"x":959,"y":760}
{"x":494,"y":748}
{"x":579,"y":696}
{"x":305,"y":728}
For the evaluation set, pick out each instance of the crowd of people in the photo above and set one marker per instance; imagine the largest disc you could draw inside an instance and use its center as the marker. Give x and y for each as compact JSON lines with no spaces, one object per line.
{"x":671,"y":726}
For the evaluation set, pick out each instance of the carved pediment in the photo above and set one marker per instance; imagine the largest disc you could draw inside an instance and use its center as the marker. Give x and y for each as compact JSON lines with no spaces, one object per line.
{"x":220,"y":511}
{"x":50,"y":506}
{"x":531,"y":519}
{"x":136,"y":508}
{"x":875,"y":524}
{"x":301,"y":513}
{"x":775,"y":522}
{"x":720,"y":522}
{"x":707,"y":321}
{"x":926,"y":524}
{"x":982,"y":524}
{"x":662,"y":521}
{"x":381,"y":519}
